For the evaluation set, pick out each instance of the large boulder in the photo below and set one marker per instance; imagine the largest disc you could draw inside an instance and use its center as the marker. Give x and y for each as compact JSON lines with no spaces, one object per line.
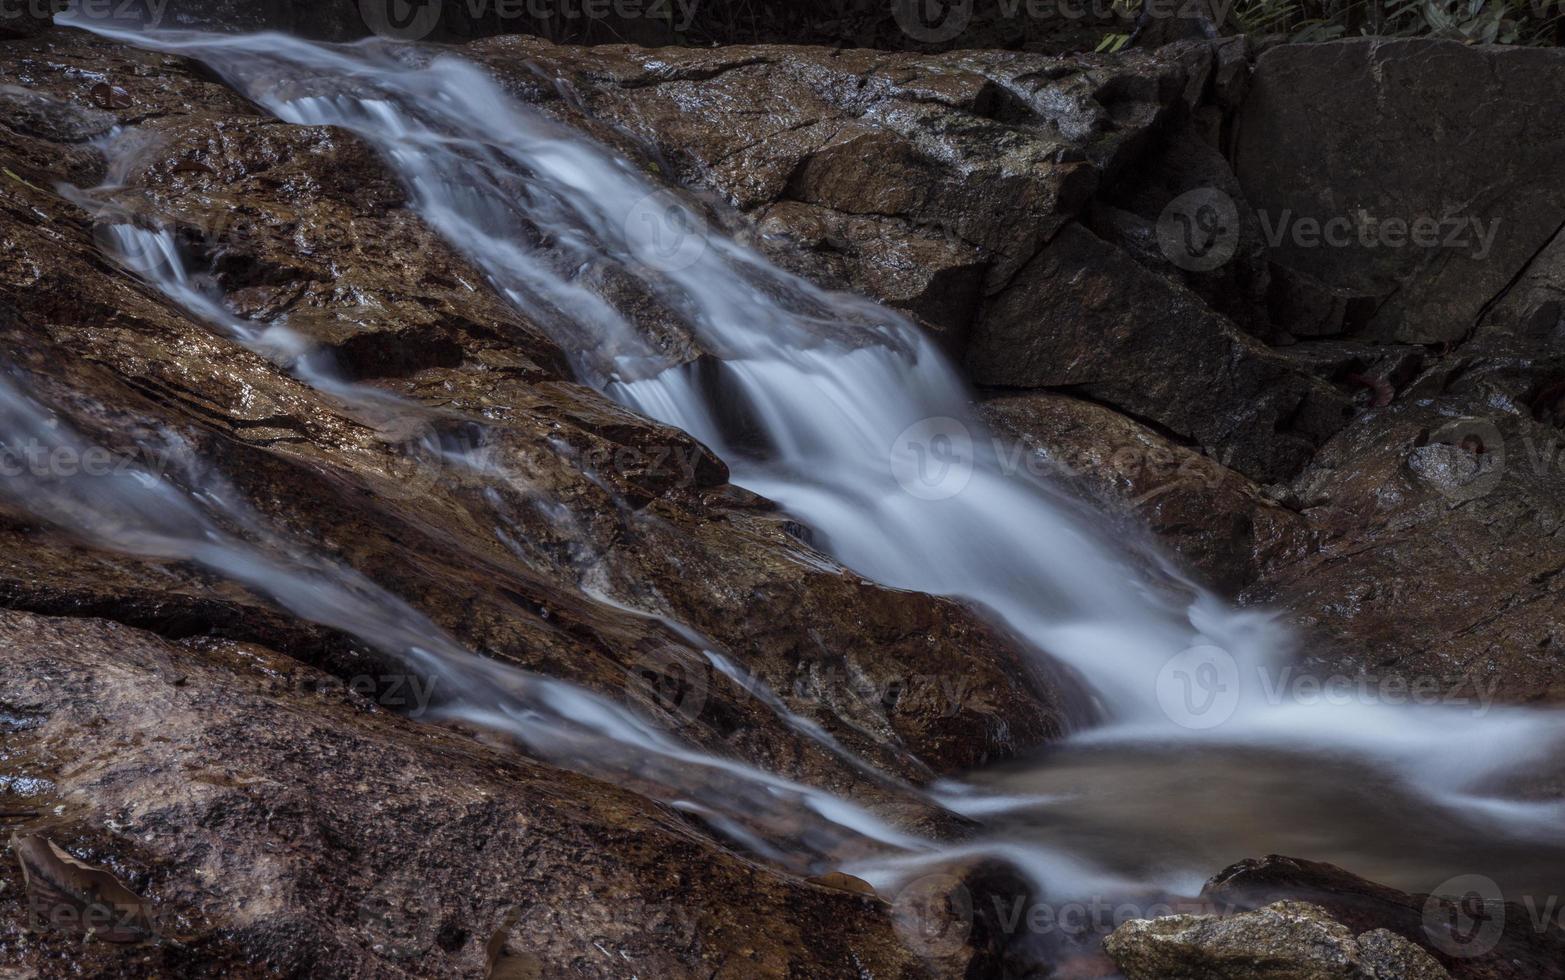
{"x":275,"y":823}
{"x":1084,"y":316}
{"x":1284,"y":941}
{"x":1475,"y":934}
{"x":1436,"y":522}
{"x":1216,"y":521}
{"x":1415,"y":176}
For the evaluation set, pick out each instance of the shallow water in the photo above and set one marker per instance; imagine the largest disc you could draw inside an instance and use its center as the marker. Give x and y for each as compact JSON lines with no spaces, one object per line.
{"x":868,"y":440}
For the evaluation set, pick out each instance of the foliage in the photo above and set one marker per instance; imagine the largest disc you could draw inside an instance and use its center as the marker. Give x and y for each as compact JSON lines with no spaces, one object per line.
{"x":1473,"y":21}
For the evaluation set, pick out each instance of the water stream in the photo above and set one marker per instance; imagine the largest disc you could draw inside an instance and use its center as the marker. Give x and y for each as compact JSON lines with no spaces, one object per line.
{"x":853,"y":422}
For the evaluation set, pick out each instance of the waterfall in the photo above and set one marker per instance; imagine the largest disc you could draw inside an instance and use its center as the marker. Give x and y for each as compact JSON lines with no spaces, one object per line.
{"x":839,"y":410}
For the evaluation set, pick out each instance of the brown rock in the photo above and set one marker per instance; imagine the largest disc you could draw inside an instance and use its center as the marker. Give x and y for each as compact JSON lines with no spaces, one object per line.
{"x":276,"y":824}
{"x":1214,"y":519}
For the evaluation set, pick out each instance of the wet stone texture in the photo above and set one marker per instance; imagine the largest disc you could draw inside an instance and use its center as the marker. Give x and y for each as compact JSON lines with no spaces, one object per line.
{"x":1390,"y":482}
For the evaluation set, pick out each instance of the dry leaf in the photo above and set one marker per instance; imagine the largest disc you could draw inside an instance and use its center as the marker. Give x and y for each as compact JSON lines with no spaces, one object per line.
{"x":66,"y":895}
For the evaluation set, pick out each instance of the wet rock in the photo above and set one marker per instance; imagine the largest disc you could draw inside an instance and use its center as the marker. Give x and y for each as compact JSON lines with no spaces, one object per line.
{"x":1527,"y":319}
{"x":1437,"y":557}
{"x":275,"y":826}
{"x":1476,"y":936}
{"x":1214,"y":519}
{"x":1083,"y":315}
{"x":911,"y":178}
{"x":28,"y":18}
{"x":296,"y":221}
{"x":1382,"y":138}
{"x":1283,"y":941}
{"x":1076,"y":26}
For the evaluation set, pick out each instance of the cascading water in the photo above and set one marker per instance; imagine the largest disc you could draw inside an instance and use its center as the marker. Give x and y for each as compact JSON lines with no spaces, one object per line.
{"x":849,"y":418}
{"x":141,"y":513}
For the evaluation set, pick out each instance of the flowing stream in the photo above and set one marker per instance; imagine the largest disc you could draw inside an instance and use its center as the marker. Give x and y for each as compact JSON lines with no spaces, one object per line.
{"x":855,"y":424}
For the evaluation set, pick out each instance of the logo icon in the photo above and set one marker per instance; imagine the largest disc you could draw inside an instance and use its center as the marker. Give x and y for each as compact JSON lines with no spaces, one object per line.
{"x":1468,"y":923}
{"x":1199,"y":688}
{"x":673,"y":680}
{"x":401,"y":20}
{"x":1463,"y":459}
{"x":665,"y":233}
{"x":933,"y":21}
{"x":933,"y":458}
{"x":1199,"y":230}
{"x":934,"y":915}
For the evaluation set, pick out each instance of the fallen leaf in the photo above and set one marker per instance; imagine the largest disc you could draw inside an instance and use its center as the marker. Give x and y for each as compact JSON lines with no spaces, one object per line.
{"x":110,"y":96}
{"x":70,"y":896}
{"x":843,"y":883}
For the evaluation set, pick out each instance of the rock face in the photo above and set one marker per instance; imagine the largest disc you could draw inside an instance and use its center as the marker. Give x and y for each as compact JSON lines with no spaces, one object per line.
{"x":1489,"y":940}
{"x":27,"y":18}
{"x":605,"y":529}
{"x":949,"y":188}
{"x":1012,"y":203}
{"x":1216,"y":521}
{"x":278,"y":824}
{"x":1381,"y":138}
{"x":895,"y":26}
{"x":1284,"y":941}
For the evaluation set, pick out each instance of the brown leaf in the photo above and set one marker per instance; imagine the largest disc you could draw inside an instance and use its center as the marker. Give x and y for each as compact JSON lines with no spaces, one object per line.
{"x":110,"y":96}
{"x":69,"y":896}
{"x":843,"y":882}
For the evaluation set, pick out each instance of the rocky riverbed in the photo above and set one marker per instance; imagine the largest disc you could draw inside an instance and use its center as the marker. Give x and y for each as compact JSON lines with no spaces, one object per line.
{"x":1360,"y":434}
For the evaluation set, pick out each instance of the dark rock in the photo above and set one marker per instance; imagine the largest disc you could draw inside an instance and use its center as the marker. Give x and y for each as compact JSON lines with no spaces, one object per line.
{"x":907,"y":177}
{"x":1493,"y":940}
{"x":1382,"y":137}
{"x":1437,"y":522}
{"x":1084,"y":315}
{"x":276,"y":826}
{"x":26,"y":18}
{"x":1282,"y":941}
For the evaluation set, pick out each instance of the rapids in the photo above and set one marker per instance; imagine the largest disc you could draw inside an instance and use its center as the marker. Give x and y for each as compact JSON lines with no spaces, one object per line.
{"x":850,"y":419}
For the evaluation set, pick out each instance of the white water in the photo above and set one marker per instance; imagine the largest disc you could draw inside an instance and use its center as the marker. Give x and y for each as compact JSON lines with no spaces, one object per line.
{"x":141,"y":513}
{"x":845,"y":415}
